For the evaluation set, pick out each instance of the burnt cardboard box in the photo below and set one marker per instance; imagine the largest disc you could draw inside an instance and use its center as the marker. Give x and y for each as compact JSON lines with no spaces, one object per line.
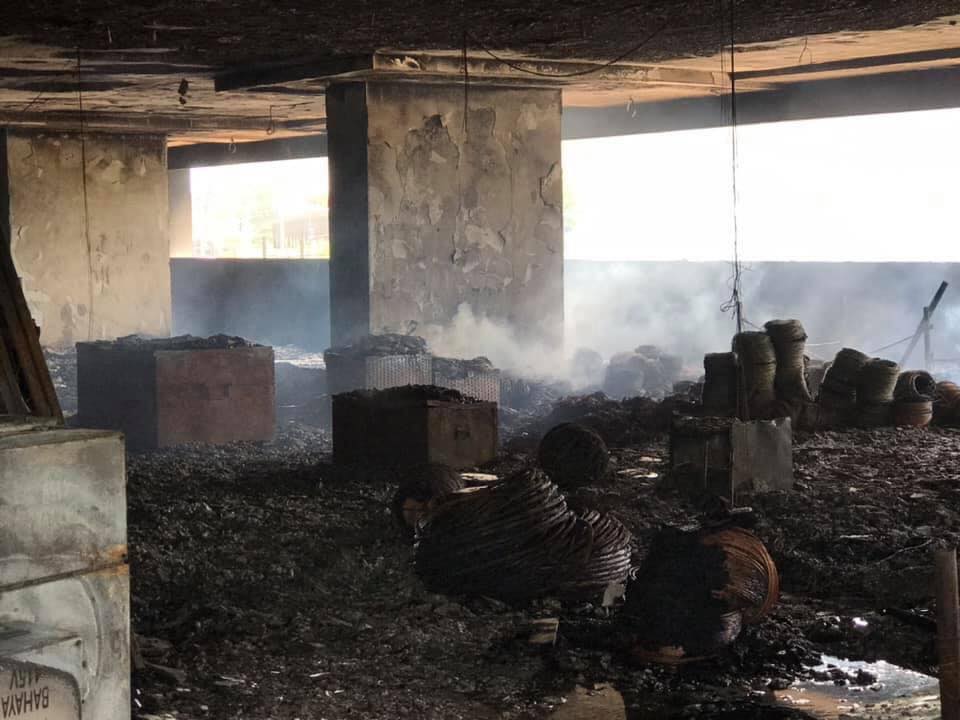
{"x":724,"y":456}
{"x":412,"y":425}
{"x":160,"y":397}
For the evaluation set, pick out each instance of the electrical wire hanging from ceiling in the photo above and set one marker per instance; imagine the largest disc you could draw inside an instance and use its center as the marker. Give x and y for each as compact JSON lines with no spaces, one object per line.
{"x":83,"y":184}
{"x":735,"y":303}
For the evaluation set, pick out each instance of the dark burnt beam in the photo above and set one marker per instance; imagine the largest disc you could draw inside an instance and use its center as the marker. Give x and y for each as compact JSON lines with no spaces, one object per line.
{"x":932,"y":89}
{"x":206,"y":154}
{"x":446,"y":67}
{"x":277,"y":73}
{"x":152,"y":123}
{"x":861,"y":63}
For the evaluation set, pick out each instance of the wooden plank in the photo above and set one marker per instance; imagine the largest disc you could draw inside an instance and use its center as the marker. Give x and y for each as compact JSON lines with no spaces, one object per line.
{"x":25,"y":373}
{"x":10,"y":395}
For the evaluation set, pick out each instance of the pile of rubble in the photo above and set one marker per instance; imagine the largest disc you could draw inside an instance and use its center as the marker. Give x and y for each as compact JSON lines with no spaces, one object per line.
{"x":646,"y":371}
{"x":179,"y":342}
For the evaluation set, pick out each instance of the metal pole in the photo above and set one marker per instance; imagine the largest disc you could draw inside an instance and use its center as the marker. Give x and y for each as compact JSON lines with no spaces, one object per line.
{"x":948,"y":633}
{"x":927,"y":345}
{"x":930,"y":310}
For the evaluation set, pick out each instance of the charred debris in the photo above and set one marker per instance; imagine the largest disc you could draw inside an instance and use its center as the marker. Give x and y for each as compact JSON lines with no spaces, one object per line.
{"x":514,"y":552}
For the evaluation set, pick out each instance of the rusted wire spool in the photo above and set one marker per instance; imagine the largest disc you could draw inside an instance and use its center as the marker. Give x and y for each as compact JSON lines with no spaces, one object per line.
{"x":915,"y":385}
{"x":946,"y":404}
{"x":720,"y":383}
{"x":758,"y":367}
{"x":418,"y":487}
{"x":516,"y":540}
{"x":607,"y":562}
{"x":839,"y":387}
{"x":789,"y":343}
{"x":916,"y":413}
{"x":874,"y":415}
{"x":876,"y":381}
{"x":753,"y":585}
{"x":694,"y":590}
{"x":573,"y":456}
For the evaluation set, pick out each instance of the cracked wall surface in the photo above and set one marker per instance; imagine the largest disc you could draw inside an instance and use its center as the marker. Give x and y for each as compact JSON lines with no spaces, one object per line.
{"x":97,"y":266}
{"x":460,"y":209}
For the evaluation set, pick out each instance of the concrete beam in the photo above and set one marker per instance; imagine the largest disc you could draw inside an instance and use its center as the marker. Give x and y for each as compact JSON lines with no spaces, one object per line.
{"x":447,"y":66}
{"x":906,"y":91}
{"x":207,"y":154}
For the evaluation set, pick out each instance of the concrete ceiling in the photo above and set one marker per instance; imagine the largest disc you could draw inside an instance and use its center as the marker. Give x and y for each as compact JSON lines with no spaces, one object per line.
{"x":159,"y":69}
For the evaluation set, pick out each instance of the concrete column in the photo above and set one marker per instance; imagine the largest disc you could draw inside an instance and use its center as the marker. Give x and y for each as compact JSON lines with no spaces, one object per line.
{"x":181,"y":213}
{"x":431,"y":209}
{"x":89,"y":239}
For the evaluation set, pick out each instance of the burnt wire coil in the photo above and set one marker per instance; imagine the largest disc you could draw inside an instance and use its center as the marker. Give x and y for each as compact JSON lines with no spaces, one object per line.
{"x":913,"y":413}
{"x":789,"y":343}
{"x":876,"y":381}
{"x":419,"y":486}
{"x":839,"y":387}
{"x":946,"y":403}
{"x":517,"y":540}
{"x":720,"y":383}
{"x":695,"y":590}
{"x":573,"y":455}
{"x":758,"y":367}
{"x":915,"y":385}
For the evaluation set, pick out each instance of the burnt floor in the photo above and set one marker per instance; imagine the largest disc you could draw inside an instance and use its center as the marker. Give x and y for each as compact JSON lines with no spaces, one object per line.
{"x":272,"y":584}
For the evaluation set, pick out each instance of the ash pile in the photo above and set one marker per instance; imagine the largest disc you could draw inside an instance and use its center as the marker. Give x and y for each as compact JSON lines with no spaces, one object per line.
{"x":647,"y":371}
{"x":178,"y":342}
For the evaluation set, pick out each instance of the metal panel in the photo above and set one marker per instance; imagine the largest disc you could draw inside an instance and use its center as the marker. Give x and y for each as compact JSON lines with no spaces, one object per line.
{"x":479,"y":385}
{"x":397,"y":371}
{"x":762,"y":455}
{"x":78,"y":625}
{"x":63,"y":494}
{"x":215,"y":396}
{"x":117,"y":390}
{"x":369,"y":430}
{"x":31,"y":690}
{"x":64,"y":584}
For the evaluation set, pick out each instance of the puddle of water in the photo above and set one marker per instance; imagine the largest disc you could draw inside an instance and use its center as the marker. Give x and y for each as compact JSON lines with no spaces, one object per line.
{"x":897,"y":693}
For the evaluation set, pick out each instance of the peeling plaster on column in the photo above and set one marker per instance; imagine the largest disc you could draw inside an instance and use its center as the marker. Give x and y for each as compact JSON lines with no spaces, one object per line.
{"x":126,"y":188}
{"x":470,"y":210}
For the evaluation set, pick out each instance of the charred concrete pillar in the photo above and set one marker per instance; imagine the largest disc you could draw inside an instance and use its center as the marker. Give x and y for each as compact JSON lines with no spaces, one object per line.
{"x":439,"y":198}
{"x":87,"y":220}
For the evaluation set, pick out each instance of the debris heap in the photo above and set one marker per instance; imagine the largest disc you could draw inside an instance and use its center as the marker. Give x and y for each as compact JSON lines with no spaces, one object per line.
{"x":517,"y":540}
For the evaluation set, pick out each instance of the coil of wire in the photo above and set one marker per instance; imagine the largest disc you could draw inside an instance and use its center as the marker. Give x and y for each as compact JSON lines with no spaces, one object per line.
{"x":875,"y":386}
{"x":516,"y":540}
{"x":789,"y":343}
{"x":758,"y":367}
{"x":695,"y":590}
{"x":720,"y":383}
{"x":946,"y":403}
{"x":838,"y":391}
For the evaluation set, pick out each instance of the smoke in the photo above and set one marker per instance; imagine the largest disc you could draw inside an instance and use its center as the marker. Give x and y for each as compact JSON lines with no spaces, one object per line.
{"x":616,"y":307}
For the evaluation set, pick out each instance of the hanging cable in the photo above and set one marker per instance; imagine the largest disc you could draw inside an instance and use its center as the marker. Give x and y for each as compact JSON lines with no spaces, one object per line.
{"x":83,"y":191}
{"x":735,"y":303}
{"x":579,"y":73}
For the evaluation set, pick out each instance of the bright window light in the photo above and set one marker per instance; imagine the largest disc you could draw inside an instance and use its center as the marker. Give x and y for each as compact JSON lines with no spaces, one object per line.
{"x":261,"y":210}
{"x":873,"y":188}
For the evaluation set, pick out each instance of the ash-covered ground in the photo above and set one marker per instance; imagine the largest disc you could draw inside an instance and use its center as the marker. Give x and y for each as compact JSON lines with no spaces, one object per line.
{"x":268,"y":583}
